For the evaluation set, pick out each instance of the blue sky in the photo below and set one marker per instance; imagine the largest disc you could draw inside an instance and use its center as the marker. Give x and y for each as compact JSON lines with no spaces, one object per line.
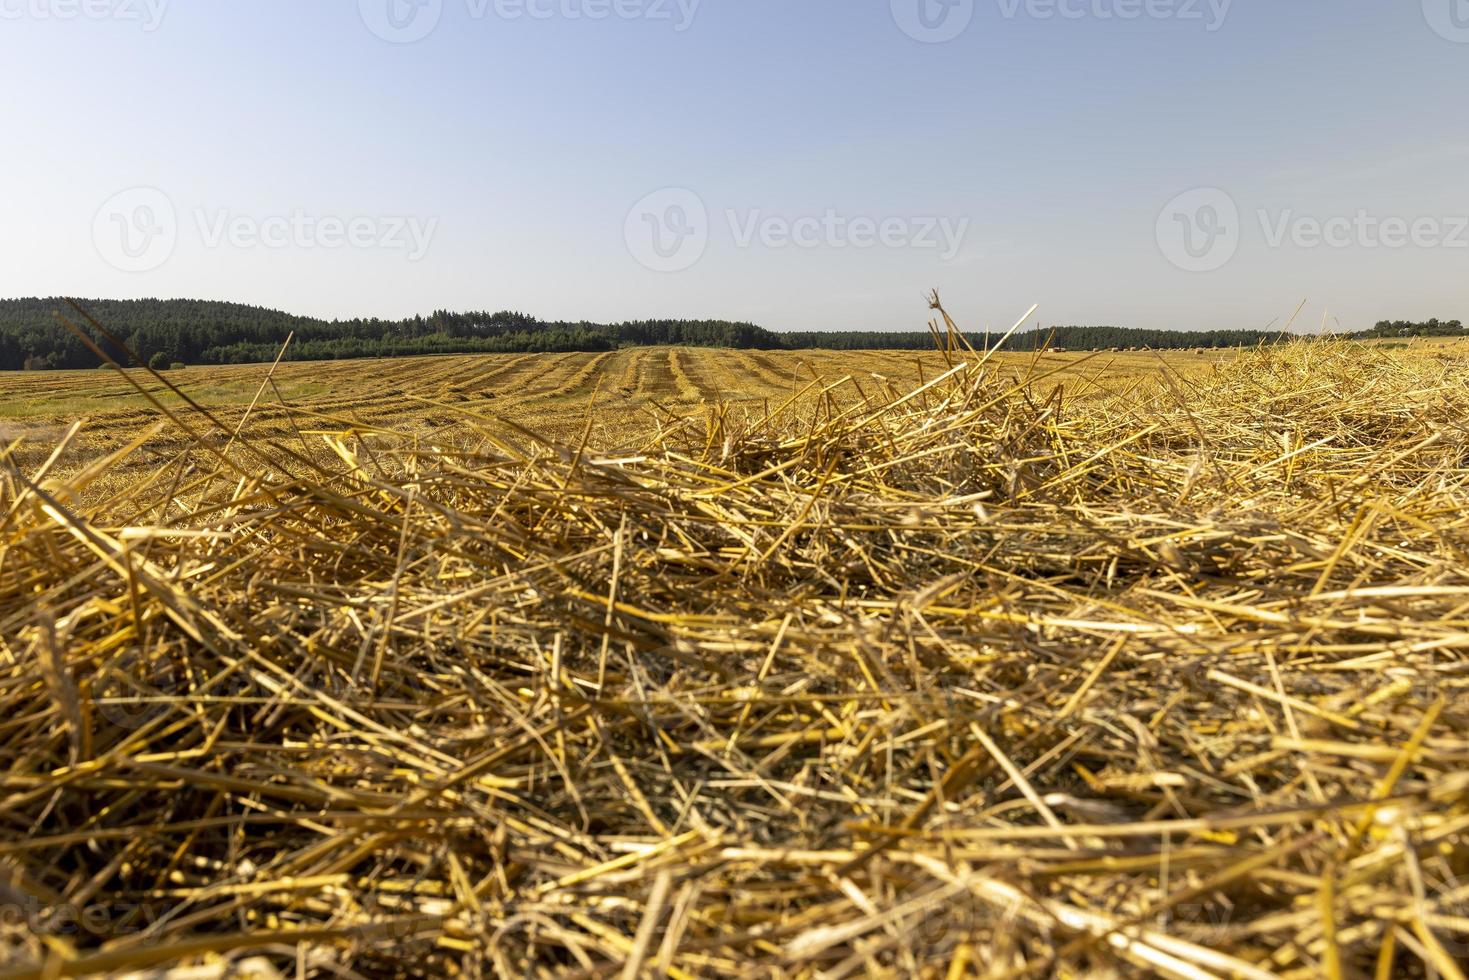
{"x":806,"y":164}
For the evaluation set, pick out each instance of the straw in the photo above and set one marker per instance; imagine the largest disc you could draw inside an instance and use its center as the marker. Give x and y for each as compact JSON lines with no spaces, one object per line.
{"x":983,"y":678}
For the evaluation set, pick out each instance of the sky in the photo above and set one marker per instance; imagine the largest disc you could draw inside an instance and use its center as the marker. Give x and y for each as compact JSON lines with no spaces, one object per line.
{"x":802,"y":164}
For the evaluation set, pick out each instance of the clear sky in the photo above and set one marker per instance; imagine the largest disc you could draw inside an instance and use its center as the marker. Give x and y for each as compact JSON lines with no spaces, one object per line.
{"x":805,"y":164}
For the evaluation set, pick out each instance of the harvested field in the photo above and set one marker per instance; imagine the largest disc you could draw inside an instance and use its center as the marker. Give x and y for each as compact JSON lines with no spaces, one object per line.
{"x":634,"y":391}
{"x":987,"y":676}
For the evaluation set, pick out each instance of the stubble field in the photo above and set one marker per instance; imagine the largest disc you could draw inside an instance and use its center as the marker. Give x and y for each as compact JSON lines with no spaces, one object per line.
{"x":551,"y":666}
{"x":631,"y":395}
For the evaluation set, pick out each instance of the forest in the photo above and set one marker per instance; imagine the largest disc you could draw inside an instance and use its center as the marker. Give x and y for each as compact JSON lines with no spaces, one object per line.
{"x":210,"y":332}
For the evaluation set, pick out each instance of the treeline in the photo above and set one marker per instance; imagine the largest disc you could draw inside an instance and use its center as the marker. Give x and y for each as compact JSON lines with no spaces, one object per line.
{"x":1406,"y":328}
{"x":205,"y":332}
{"x":1105,"y":338}
{"x":1065,"y":338}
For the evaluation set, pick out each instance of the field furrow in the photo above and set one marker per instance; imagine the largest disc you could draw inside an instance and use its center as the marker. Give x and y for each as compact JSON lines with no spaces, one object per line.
{"x":547,"y":393}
